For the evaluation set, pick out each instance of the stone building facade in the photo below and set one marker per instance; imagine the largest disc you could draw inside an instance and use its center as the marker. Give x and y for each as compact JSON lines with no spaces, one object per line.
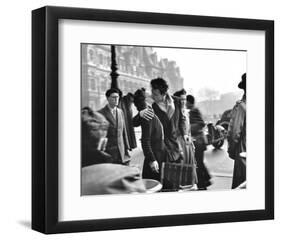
{"x":136,"y":67}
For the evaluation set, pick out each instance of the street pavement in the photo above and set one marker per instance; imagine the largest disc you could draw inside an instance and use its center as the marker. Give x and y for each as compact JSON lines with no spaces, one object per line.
{"x":217,"y":162}
{"x":220,"y":167}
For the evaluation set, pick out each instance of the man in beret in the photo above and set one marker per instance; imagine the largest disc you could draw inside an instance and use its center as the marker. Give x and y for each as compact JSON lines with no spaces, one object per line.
{"x":117,"y":145}
{"x":237,"y":137}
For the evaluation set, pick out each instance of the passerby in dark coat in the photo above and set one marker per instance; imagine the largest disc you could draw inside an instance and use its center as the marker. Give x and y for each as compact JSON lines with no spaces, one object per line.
{"x":197,"y":124}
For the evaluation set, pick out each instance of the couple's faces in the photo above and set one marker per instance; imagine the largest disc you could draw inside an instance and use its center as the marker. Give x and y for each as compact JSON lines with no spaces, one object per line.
{"x":142,"y":105}
{"x":156,"y":95}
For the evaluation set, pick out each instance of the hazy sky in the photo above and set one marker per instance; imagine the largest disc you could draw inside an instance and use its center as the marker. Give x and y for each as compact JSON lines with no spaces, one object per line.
{"x":220,"y":70}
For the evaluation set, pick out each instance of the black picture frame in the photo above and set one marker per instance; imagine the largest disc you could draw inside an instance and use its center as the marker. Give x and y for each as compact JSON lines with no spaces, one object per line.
{"x":45,"y":128}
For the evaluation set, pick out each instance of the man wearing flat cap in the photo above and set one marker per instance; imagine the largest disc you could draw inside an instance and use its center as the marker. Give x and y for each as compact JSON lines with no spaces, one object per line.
{"x":237,"y":137}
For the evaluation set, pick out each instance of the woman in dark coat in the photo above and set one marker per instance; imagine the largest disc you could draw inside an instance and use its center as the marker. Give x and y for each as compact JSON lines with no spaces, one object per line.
{"x":152,"y":140}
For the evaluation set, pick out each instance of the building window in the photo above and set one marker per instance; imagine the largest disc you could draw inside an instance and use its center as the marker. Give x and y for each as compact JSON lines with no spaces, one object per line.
{"x":103,"y":85}
{"x":93,"y":85}
{"x":100,"y":59}
{"x":90,"y":55}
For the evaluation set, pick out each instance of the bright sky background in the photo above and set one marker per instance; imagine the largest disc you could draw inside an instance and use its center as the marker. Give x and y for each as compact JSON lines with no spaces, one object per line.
{"x":220,"y":70}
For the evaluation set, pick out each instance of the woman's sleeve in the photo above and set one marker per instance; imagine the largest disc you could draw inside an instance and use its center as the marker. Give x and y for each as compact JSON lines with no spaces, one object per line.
{"x":137,"y":120}
{"x":146,"y":140}
{"x":125,"y":135}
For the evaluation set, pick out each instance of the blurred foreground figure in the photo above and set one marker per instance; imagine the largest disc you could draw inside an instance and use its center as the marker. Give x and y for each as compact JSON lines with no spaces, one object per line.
{"x":237,"y":137}
{"x":94,"y":131}
{"x":111,"y":179}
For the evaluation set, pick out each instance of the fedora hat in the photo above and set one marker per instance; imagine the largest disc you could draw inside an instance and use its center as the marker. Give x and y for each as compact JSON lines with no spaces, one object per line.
{"x":242,"y":83}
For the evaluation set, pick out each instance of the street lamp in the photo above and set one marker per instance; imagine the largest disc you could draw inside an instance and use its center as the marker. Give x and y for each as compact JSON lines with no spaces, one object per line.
{"x":114,"y":75}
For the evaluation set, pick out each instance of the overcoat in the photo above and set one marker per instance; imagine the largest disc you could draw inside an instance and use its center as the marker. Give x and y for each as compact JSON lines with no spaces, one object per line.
{"x":237,"y":141}
{"x":125,"y":105}
{"x":152,"y":141}
{"x":170,"y":127}
{"x":117,"y":145}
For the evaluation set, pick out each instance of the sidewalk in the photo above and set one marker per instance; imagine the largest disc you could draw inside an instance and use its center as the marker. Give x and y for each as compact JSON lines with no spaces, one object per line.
{"x":220,"y":167}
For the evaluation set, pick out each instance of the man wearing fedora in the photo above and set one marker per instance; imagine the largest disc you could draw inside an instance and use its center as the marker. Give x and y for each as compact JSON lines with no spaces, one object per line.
{"x":237,"y":137}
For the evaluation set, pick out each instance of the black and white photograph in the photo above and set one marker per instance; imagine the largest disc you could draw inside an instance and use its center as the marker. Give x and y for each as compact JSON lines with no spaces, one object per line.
{"x":131,"y":120}
{"x":162,"y":119}
{"x":139,"y":120}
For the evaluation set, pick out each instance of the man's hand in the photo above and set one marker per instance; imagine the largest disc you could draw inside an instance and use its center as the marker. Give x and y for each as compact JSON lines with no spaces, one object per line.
{"x":154,"y":166}
{"x":147,"y":114}
{"x":186,"y":138}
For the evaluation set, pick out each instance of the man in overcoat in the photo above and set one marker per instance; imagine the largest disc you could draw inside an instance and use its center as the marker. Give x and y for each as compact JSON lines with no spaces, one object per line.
{"x":237,"y":137}
{"x":117,"y":145}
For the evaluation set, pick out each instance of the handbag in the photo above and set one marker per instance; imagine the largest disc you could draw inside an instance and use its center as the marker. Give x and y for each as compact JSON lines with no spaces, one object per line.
{"x":175,"y":176}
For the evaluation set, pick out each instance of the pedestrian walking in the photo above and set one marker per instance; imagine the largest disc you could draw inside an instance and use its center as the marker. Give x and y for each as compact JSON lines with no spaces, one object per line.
{"x":237,"y":137}
{"x":197,"y":124}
